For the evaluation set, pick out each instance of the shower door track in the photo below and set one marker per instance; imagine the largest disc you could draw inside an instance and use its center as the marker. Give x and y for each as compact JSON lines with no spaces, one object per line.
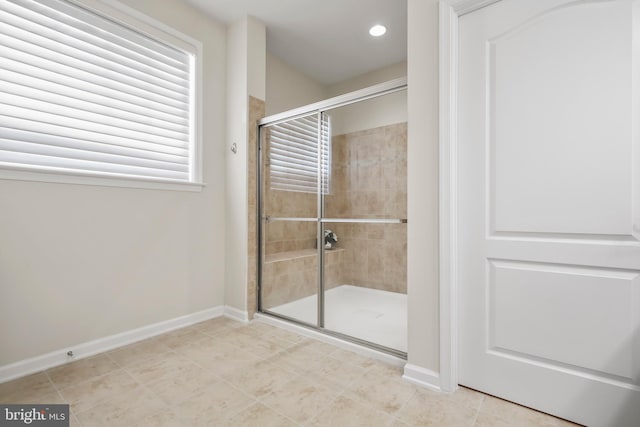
{"x":345,"y":337}
{"x":318,"y":108}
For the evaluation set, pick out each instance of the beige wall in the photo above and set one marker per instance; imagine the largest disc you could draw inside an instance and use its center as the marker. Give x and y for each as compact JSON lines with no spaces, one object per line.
{"x":82,"y":262}
{"x":246,"y":46}
{"x":289,"y":88}
{"x":376,"y":112}
{"x":381,"y":75}
{"x":423,"y":184}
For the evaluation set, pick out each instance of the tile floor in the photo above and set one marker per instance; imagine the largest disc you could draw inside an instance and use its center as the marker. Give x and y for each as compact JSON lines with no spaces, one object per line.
{"x":225,"y":373}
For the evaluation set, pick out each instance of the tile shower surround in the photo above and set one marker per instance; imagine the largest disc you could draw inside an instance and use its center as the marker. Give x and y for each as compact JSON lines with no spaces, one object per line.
{"x":369,"y":170}
{"x":225,"y":373}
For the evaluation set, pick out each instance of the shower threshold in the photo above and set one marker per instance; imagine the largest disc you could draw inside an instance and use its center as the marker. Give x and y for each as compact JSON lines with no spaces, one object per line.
{"x":372,"y":315}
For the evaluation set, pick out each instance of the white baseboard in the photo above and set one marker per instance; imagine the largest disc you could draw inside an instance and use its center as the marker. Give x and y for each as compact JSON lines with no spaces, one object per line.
{"x":365,"y":351}
{"x":422,"y":377}
{"x":236,"y":314}
{"x":87,"y":349}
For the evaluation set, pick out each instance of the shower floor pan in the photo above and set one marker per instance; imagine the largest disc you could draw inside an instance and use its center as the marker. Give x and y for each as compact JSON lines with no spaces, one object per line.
{"x":372,"y":315}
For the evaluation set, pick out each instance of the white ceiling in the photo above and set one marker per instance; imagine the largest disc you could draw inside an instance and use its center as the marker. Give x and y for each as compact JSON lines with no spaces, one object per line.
{"x":326,"y":39}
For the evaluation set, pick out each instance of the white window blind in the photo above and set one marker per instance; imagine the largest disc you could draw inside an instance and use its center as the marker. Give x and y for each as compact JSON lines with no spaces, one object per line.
{"x":82,"y":93}
{"x":293,"y":154}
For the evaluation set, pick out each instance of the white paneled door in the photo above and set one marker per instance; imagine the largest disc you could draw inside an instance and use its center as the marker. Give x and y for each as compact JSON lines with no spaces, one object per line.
{"x":548,"y":242}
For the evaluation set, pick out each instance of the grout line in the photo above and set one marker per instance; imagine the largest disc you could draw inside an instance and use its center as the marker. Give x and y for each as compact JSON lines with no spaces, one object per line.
{"x":475,"y":418}
{"x":55,"y":387}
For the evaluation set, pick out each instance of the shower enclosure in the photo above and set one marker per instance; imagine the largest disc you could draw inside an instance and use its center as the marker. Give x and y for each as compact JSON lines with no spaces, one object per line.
{"x":332,"y":207}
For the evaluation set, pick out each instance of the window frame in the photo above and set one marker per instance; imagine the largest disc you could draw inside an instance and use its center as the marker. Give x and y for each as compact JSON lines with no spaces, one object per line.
{"x":155,"y":29}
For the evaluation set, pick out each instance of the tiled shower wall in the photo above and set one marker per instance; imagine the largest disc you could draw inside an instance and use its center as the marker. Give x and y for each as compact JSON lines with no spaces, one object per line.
{"x":369,"y":180}
{"x":369,"y":170}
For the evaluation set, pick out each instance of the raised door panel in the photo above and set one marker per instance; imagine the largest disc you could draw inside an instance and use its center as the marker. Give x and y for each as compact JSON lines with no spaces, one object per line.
{"x":559,"y":122}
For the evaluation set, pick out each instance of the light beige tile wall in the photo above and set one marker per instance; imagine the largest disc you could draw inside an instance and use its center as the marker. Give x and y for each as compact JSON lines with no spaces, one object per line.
{"x":289,"y":276}
{"x":370,"y":181}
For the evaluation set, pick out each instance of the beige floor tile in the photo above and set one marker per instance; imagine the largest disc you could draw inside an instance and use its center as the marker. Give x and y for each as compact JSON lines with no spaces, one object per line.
{"x":217,"y":403}
{"x":81,"y":370}
{"x":73,"y":421}
{"x":225,"y":364}
{"x":266,"y":347}
{"x":158,"y":367}
{"x":495,"y":410}
{"x":318,"y":346}
{"x":220,"y":324}
{"x":352,"y":358}
{"x":125,"y":409}
{"x":180,"y":337}
{"x":386,"y":394}
{"x":181,"y":385}
{"x":336,"y":372}
{"x":259,"y":415}
{"x":427,"y":408}
{"x":208,"y":343}
{"x":88,"y":394}
{"x":463,"y":396}
{"x":236,"y":339}
{"x":30,"y":389}
{"x":137,"y":352}
{"x":257,"y":329}
{"x":385,"y":370}
{"x":297,"y":358}
{"x":36,"y":397}
{"x":202,"y":350}
{"x":260,"y":379}
{"x":398,"y":423}
{"x":437,"y":414}
{"x":165,"y":417}
{"x":345,"y":411}
{"x":300,"y":399}
{"x":288,"y":336}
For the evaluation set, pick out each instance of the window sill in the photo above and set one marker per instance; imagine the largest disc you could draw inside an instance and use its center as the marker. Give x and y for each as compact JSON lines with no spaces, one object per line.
{"x":102,"y":181}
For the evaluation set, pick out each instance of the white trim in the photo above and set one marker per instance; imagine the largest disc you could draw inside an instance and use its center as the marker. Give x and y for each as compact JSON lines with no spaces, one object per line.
{"x":364,"y":351}
{"x":448,"y":318}
{"x":462,"y":7}
{"x":450,"y":12}
{"x":103,"y":181}
{"x":422,"y":377}
{"x":236,"y":314}
{"x":100,"y":345}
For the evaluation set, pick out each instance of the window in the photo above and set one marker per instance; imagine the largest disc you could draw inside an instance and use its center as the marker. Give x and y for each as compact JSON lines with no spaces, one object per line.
{"x":293,"y":154}
{"x":84,"y":94}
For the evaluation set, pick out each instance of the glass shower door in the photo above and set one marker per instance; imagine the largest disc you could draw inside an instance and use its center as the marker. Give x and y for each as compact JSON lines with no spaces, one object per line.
{"x":333,"y":209}
{"x":289,"y":156}
{"x":365,"y":211}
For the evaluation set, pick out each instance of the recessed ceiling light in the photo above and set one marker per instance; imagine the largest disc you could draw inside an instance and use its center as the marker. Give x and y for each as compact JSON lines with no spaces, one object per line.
{"x":377,"y":30}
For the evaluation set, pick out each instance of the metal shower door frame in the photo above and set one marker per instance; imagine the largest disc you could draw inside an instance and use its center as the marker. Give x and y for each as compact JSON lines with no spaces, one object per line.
{"x":318,"y":108}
